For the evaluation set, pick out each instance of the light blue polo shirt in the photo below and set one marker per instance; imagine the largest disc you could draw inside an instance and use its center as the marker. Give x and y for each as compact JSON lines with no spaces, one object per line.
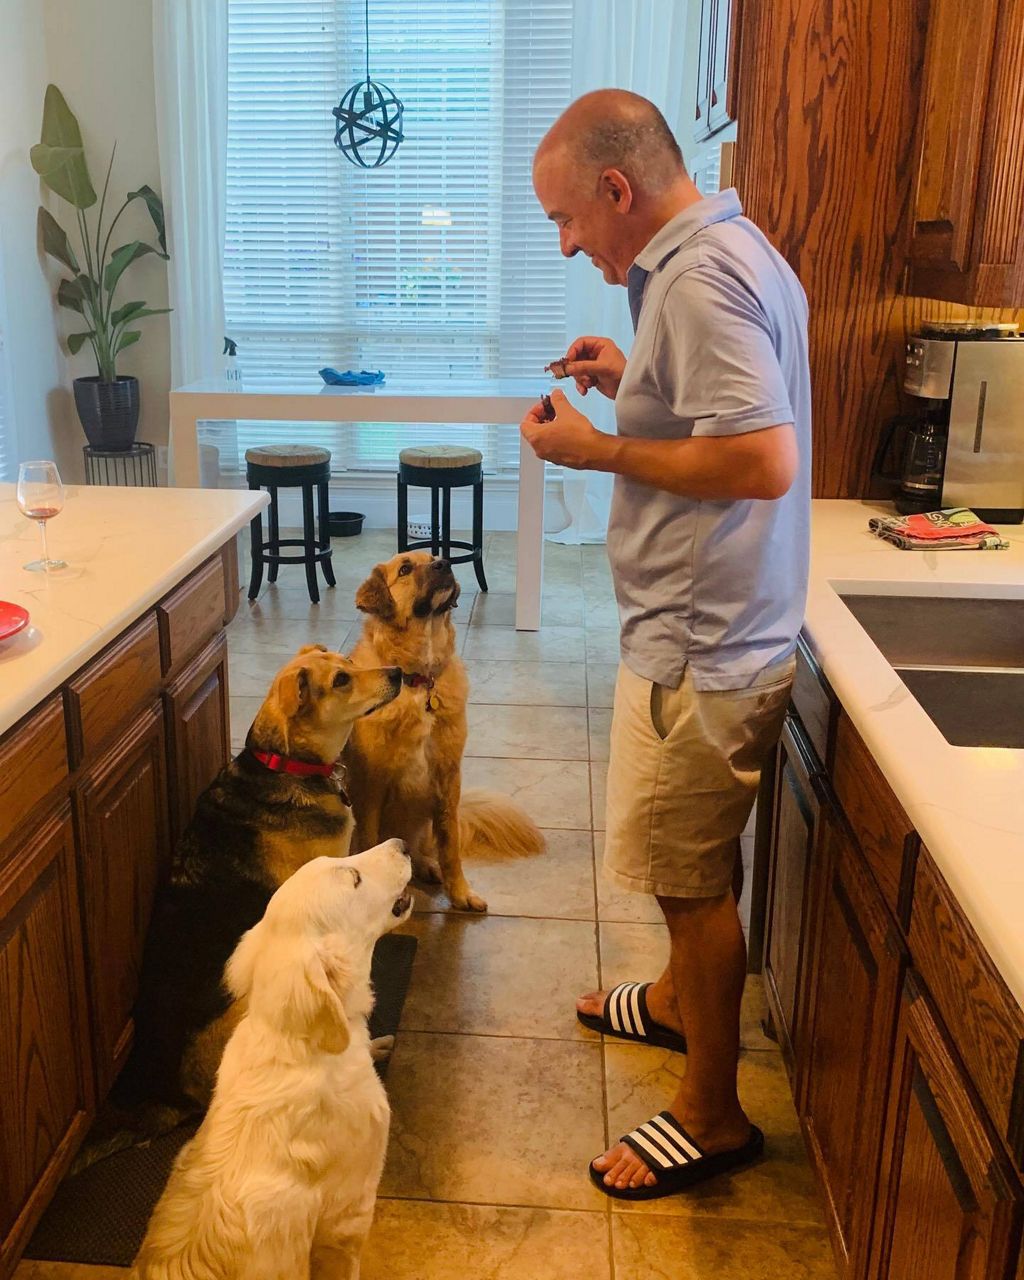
{"x":720,"y":349}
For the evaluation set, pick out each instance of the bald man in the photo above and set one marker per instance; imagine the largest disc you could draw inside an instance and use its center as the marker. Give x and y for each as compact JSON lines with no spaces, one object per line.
{"x":708,"y":544}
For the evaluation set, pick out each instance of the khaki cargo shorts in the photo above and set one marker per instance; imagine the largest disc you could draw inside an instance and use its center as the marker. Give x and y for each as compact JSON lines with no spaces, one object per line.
{"x":682,"y":777}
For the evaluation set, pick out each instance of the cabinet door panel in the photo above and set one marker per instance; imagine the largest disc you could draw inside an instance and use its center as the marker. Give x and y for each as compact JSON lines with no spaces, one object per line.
{"x":45,"y":1081}
{"x":954,"y":107}
{"x":702,"y":128}
{"x":950,"y":1207}
{"x":795,"y":824}
{"x":857,"y":966}
{"x":199,"y":729}
{"x":124,"y":854}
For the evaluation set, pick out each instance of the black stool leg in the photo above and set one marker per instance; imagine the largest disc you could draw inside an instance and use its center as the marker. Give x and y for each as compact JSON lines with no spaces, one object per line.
{"x":256,"y":551}
{"x":403,"y":516}
{"x":325,"y":533}
{"x":446,"y":523}
{"x":275,"y":536}
{"x":478,"y":534}
{"x":308,"y":535}
{"x":434,"y":521}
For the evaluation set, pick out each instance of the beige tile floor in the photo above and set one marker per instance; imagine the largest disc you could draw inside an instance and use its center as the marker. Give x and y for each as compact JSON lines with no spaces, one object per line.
{"x":500,"y":1097}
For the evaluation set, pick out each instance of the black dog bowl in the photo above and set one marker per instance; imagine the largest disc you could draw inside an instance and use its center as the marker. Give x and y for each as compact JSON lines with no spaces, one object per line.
{"x":345,"y":524}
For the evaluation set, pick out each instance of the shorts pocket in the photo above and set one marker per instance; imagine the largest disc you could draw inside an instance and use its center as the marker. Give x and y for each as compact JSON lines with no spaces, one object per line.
{"x":664,"y":709}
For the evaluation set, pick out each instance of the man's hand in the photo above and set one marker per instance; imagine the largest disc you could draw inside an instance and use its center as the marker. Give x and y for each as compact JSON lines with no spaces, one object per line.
{"x":568,"y":439}
{"x":595,"y":362}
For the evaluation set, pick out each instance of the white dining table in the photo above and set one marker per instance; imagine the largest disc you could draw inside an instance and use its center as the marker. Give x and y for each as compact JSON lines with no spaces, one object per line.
{"x":487,"y":401}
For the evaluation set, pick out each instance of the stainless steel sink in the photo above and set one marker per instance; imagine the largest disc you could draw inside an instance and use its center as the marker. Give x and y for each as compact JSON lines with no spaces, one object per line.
{"x":942,"y":631}
{"x":971,"y":708}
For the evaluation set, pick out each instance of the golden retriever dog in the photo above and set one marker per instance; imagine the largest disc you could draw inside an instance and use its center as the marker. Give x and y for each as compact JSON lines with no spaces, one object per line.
{"x":405,"y":764}
{"x":280,"y":1180}
{"x":276,"y":806}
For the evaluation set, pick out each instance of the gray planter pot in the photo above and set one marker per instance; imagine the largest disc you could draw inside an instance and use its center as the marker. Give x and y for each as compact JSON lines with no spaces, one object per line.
{"x":108,"y":411}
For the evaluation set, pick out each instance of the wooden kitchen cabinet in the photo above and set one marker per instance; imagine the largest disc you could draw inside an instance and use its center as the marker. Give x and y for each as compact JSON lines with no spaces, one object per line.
{"x":967,"y":224}
{"x":124,"y":852}
{"x":795,"y":820}
{"x":856,"y":969}
{"x":715,"y":106}
{"x":46,"y":1086}
{"x":949,"y":1204}
{"x":198,"y":729}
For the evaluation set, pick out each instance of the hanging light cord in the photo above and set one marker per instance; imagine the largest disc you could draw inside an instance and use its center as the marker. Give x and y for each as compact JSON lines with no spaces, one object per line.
{"x":367,"y":41}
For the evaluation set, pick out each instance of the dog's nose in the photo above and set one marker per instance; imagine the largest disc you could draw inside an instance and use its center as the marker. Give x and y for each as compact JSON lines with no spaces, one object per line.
{"x":441,"y":564}
{"x":395,"y":675}
{"x":402,"y":847}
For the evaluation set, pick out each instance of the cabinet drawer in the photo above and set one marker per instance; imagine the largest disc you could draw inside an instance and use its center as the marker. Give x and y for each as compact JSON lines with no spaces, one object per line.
{"x":973,"y":1000}
{"x":111,"y":689}
{"x":813,"y":699}
{"x":191,"y":614}
{"x":883,"y":830}
{"x":33,"y":762}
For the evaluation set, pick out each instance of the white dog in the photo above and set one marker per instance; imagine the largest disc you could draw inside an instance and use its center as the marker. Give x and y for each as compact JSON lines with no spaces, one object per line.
{"x":280,"y":1181}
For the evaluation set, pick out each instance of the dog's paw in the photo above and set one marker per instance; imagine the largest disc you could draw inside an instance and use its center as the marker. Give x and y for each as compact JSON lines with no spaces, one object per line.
{"x":426,"y":869}
{"x":380,"y":1047}
{"x":467,"y":900}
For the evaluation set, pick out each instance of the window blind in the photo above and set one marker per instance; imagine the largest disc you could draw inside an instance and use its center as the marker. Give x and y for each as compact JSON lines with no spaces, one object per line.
{"x":438,"y":264}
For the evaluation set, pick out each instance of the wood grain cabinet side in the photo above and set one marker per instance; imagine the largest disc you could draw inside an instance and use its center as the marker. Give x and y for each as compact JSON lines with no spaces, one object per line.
{"x":46,"y":1084}
{"x":124,"y":852}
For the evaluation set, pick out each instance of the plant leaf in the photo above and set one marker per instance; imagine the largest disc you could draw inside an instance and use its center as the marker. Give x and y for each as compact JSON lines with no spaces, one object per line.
{"x":156,"y":211}
{"x":117,"y":318}
{"x":77,"y":340}
{"x":127,"y":312}
{"x":122,"y":258}
{"x":59,"y":157}
{"x":55,"y":240}
{"x":70,"y":295}
{"x":127,"y":339}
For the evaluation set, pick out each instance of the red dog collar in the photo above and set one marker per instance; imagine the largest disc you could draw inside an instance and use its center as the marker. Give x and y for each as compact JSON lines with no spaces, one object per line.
{"x":284,"y":764}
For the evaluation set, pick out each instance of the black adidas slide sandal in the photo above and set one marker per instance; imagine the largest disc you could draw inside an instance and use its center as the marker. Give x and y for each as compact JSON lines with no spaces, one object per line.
{"x":626,"y":1017}
{"x":677,"y":1162}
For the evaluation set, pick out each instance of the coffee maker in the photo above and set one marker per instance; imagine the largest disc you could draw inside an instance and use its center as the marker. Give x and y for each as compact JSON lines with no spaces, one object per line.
{"x":967,"y":444}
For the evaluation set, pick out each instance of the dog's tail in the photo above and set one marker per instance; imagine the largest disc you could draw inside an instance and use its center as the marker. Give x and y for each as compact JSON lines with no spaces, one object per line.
{"x":489,"y":822}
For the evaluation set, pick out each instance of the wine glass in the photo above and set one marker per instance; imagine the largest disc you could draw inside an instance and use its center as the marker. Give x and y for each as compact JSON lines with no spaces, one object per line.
{"x":41,"y":497}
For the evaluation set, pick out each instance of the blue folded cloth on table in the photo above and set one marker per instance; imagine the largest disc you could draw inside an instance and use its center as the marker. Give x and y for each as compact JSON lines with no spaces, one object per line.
{"x":364,"y":378}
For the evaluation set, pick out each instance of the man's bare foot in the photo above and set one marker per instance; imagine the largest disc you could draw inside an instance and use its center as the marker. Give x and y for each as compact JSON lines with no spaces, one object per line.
{"x":622,"y":1167}
{"x":661,"y":1005}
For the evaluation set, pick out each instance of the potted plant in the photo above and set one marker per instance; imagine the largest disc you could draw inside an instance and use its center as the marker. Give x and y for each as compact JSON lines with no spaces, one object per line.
{"x":108,"y":404}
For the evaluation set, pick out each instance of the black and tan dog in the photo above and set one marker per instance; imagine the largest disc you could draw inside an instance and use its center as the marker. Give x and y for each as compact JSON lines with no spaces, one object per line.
{"x":276,"y":806}
{"x":405,"y":764}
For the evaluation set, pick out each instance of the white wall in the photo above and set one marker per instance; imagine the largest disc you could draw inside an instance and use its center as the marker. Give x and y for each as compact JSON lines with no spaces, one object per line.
{"x":38,"y":397}
{"x":100,"y":55}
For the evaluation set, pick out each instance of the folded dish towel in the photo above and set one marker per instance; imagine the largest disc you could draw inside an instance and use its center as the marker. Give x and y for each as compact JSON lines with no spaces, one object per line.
{"x":953,"y":529}
{"x":351,"y":379}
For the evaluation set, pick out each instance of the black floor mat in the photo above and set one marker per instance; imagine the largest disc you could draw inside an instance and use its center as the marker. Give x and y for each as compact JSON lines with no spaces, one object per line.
{"x":99,"y":1216}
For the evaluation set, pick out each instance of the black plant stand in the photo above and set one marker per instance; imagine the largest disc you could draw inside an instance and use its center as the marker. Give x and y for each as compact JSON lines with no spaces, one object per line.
{"x":134,"y":466}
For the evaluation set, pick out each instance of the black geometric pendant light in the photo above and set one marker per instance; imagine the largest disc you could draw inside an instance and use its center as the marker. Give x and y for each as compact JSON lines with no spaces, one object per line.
{"x":369,"y":117}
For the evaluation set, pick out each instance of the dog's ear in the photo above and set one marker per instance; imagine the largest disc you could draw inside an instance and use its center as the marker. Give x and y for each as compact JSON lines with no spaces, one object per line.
{"x":374,"y":597}
{"x":295,"y":691}
{"x":241,"y":967}
{"x":329,"y":974}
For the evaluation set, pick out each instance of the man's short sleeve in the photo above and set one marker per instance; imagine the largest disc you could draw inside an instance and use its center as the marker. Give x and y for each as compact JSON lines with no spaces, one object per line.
{"x":713,"y":357}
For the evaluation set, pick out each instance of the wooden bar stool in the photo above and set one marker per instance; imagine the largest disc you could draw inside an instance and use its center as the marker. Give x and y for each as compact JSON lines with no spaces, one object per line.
{"x":442,"y":468}
{"x":291,"y":466}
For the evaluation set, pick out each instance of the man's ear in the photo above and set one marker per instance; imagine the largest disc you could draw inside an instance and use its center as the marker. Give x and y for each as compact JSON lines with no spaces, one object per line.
{"x":295,"y":692}
{"x":374,"y":597}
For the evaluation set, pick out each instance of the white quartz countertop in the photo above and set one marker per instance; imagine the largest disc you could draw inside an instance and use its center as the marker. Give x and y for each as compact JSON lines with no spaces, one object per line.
{"x":967,"y":803}
{"x":126,"y":548}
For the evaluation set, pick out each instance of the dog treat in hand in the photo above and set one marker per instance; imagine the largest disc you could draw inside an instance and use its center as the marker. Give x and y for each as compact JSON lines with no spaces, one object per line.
{"x":557,"y":369}
{"x":549,"y":408}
